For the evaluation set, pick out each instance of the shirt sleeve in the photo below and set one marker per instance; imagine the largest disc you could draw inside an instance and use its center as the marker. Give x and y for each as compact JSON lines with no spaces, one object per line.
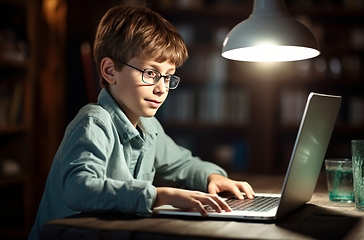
{"x":85,"y":165}
{"x":177,"y":167}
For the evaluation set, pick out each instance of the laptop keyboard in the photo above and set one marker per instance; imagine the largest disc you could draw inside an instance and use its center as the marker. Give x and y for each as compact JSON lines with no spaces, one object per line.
{"x":258,"y":204}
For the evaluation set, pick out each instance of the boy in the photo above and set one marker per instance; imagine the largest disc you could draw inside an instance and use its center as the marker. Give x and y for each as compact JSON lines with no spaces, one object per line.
{"x":114,"y":153}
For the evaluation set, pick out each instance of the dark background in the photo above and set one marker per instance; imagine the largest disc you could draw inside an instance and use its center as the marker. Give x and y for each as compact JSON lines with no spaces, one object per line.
{"x":242,"y":116}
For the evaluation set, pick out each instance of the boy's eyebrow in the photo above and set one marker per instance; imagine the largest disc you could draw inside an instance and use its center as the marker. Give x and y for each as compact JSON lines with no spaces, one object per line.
{"x":155,"y":67}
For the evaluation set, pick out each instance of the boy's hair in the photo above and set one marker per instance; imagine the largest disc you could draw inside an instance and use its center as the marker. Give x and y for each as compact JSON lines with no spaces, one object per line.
{"x":126,"y":32}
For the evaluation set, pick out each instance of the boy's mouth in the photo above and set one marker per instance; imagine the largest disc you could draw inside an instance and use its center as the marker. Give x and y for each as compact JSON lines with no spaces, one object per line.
{"x":154,"y":103}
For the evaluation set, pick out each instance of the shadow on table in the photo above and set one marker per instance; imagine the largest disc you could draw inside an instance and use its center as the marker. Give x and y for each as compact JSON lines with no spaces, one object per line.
{"x":310,"y":220}
{"x":86,"y":226}
{"x":318,"y":222}
{"x":108,"y":216}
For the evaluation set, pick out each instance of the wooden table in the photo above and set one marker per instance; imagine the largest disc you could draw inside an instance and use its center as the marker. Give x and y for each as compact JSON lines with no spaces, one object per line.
{"x":318,"y":219}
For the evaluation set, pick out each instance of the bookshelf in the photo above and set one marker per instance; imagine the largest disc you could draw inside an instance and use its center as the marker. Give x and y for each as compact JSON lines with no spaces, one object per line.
{"x":272,"y":95}
{"x":16,"y":118}
{"x":258,"y":126}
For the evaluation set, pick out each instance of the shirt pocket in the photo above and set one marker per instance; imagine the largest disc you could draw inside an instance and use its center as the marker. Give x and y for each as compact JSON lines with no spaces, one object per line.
{"x":147,"y":176}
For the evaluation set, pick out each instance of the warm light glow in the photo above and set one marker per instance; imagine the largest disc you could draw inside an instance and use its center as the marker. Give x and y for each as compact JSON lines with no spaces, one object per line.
{"x":270,"y":34}
{"x":270,"y":53}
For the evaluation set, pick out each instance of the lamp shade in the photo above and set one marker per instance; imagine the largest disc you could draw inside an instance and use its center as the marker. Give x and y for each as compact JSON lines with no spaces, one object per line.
{"x":270,"y":34}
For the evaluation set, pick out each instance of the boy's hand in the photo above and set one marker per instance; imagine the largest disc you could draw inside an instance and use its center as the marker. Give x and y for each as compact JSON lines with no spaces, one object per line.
{"x":185,"y":199}
{"x":218,"y":183}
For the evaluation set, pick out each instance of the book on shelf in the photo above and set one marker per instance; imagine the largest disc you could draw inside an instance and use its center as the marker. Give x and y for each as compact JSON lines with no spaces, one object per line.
{"x":11,"y":102}
{"x":224,"y":106}
{"x":292,"y":104}
{"x":233,"y":156}
{"x":356,"y":110}
{"x":16,"y":104}
{"x":14,"y":46}
{"x":211,"y":106}
{"x":4,"y":103}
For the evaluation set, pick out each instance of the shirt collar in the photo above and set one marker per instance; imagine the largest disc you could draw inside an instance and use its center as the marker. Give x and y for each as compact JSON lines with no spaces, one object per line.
{"x":124,"y":127}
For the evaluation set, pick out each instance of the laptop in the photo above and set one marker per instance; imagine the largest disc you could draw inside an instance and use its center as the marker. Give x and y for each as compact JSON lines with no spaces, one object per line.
{"x":313,"y":137}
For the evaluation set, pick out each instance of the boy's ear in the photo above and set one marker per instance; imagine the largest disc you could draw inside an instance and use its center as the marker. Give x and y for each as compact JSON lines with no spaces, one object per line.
{"x":108,"y":70}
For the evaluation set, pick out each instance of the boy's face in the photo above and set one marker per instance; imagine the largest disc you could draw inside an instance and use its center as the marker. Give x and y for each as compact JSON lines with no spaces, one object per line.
{"x":136,"y":98}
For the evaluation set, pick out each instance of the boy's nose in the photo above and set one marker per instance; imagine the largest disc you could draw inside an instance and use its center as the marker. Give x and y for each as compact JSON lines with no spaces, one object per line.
{"x":160,"y":87}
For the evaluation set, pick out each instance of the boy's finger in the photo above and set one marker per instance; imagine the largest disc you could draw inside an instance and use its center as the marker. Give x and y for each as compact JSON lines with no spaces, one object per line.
{"x":245,"y":187}
{"x":236,"y":191}
{"x":212,"y":203}
{"x":200,"y":208}
{"x":223,"y":204}
{"x":212,"y":189}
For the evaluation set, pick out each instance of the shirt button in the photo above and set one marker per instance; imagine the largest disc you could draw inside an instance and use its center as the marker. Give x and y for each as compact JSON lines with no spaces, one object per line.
{"x":125,"y":136}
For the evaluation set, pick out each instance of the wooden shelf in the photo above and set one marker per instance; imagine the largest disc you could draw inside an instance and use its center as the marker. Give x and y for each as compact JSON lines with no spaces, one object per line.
{"x":326,"y":12}
{"x":244,"y":9}
{"x":12,"y":129}
{"x":15,"y":65}
{"x":17,"y":142}
{"x":267,"y":82}
{"x":12,"y":181}
{"x":222,"y":11}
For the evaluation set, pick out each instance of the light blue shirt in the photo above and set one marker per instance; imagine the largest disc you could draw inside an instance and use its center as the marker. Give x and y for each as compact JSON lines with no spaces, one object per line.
{"x":105,"y":164}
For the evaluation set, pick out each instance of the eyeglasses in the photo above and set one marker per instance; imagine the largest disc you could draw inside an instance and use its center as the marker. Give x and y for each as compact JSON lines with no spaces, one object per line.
{"x":152,"y":77}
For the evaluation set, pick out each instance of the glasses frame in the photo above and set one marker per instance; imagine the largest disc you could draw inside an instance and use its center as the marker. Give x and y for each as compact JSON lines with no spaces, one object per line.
{"x":155,"y":81}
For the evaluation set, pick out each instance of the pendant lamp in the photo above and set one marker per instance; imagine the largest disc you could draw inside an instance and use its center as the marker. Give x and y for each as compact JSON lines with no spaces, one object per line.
{"x":270,"y":34}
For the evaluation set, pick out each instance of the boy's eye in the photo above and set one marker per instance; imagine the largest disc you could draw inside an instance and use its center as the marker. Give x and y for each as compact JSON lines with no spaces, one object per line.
{"x":150,"y":73}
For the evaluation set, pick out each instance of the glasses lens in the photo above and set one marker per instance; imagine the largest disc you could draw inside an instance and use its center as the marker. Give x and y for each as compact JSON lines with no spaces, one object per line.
{"x":150,"y":76}
{"x":173,"y":82}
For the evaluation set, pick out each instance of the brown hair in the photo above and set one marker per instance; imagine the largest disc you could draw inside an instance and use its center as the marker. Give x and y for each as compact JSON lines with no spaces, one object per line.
{"x":126,"y":32}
